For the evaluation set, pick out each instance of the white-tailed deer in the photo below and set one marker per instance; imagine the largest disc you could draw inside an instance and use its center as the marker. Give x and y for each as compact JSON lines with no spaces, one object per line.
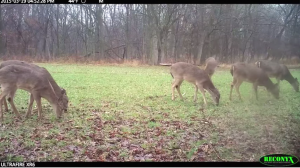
{"x":42,"y":70}
{"x":210,"y":66}
{"x":13,"y":77}
{"x":278,"y":71}
{"x":250,"y":73}
{"x":184,"y":71}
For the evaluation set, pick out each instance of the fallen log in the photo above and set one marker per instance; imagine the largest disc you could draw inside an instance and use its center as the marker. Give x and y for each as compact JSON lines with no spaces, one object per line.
{"x":165,"y":64}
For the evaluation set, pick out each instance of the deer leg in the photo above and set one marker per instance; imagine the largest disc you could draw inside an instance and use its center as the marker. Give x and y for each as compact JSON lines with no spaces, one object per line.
{"x":5,"y":105}
{"x":38,"y":101}
{"x":237,"y":88}
{"x":255,"y":90}
{"x":178,"y":90}
{"x":203,"y":93}
{"x":231,"y":87}
{"x":196,"y":91}
{"x":176,"y":84}
{"x":10,"y":99}
{"x":31,"y":99}
{"x":2,"y":97}
{"x":173,"y":89}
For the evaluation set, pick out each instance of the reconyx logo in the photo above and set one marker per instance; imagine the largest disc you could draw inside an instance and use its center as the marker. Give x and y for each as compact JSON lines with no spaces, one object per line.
{"x":279,"y":160}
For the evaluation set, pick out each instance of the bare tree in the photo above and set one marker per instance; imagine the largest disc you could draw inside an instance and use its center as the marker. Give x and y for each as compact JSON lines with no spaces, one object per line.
{"x":1,"y":33}
{"x":151,"y":33}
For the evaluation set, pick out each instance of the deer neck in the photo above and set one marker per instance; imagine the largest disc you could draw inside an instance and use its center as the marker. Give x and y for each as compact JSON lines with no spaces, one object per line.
{"x":208,"y":85}
{"x":288,"y":77}
{"x":50,"y":96}
{"x":55,"y":87}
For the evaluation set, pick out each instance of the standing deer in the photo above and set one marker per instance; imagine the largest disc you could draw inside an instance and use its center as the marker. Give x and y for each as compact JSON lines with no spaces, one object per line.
{"x":184,"y":71}
{"x":278,"y":71}
{"x":42,"y":70}
{"x":210,"y":65}
{"x":13,"y":77}
{"x":250,"y":73}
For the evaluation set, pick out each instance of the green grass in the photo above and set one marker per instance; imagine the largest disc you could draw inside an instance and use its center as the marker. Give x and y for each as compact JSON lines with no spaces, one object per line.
{"x":119,"y":113}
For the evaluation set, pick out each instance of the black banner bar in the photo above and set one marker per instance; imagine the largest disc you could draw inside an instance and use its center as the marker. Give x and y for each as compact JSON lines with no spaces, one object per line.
{"x":134,"y":164}
{"x":147,"y":164}
{"x":142,"y":2}
{"x":151,"y":164}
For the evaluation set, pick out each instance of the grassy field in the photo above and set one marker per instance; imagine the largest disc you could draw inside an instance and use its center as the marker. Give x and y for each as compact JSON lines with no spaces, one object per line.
{"x":119,"y":113}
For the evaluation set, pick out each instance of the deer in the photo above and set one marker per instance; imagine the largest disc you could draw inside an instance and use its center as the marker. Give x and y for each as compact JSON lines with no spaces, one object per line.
{"x":33,"y":66}
{"x":181,"y":71}
{"x":278,"y":71}
{"x":13,"y":77}
{"x":250,"y":73}
{"x":210,"y":65}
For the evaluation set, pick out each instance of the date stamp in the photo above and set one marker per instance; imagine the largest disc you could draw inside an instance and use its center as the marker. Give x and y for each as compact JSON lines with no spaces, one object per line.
{"x":27,"y":1}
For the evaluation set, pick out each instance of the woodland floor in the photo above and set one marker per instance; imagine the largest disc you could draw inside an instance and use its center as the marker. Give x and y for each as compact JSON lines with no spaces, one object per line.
{"x":122,"y":113}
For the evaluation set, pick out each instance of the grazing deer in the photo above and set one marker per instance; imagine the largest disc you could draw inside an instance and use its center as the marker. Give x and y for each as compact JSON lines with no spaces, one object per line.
{"x":184,"y":71}
{"x":210,"y":65}
{"x":250,"y":73}
{"x":279,"y":71}
{"x":13,"y":77}
{"x":43,"y":70}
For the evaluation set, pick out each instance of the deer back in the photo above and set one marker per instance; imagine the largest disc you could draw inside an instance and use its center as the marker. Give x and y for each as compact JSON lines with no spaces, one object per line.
{"x":250,"y":73}
{"x":188,"y":72}
{"x":272,"y":69}
{"x":194,"y":75}
{"x":60,"y":92}
{"x":23,"y":78}
{"x":280,"y":71}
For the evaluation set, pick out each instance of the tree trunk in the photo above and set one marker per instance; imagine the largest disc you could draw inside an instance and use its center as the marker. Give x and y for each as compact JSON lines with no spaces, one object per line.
{"x":101,"y":38}
{"x":159,"y":47}
{"x":1,"y":34}
{"x":128,"y":43}
{"x":165,"y":48}
{"x":98,"y":38}
{"x":176,"y":39}
{"x":200,"y":49}
{"x":150,"y":39}
{"x":57,"y":30}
